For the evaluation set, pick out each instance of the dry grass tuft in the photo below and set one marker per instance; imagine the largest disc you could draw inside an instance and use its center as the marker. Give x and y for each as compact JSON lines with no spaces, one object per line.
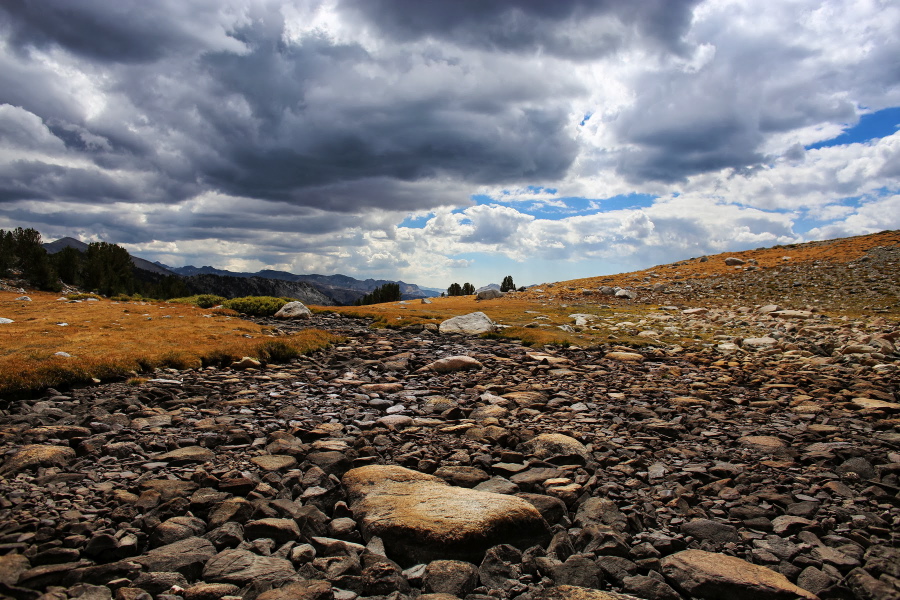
{"x":106,"y":339}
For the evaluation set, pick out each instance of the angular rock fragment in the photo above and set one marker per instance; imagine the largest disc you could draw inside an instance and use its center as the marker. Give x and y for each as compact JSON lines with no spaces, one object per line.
{"x":722,"y":577}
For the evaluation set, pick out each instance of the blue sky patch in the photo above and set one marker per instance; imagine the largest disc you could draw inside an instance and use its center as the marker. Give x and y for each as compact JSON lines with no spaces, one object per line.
{"x":871,"y":126}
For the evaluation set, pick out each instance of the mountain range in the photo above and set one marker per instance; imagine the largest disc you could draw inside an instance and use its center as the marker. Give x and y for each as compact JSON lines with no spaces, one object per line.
{"x":313,"y":289}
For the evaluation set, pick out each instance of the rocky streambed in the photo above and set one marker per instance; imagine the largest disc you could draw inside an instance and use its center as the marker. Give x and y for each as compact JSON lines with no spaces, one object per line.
{"x":409,"y":464}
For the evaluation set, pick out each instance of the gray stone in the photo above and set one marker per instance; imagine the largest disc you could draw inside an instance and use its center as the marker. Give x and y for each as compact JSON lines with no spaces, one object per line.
{"x":293,"y":310}
{"x":471,"y":324}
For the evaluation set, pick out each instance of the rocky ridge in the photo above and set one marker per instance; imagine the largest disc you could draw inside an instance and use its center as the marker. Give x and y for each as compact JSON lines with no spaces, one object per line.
{"x":764,"y":465}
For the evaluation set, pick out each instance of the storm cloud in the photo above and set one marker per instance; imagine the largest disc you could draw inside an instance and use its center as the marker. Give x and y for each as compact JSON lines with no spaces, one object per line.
{"x":295,"y":132}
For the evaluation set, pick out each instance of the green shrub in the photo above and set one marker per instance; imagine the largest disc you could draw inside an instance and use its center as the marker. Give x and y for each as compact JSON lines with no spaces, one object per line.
{"x":257,"y":306}
{"x":80,"y":296}
{"x":201,"y":300}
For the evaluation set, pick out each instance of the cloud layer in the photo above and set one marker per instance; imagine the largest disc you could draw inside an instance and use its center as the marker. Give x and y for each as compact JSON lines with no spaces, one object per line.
{"x":302,"y":135}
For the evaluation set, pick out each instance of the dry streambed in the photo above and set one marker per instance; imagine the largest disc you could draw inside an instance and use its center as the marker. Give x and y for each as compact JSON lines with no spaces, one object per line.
{"x":387,"y":467}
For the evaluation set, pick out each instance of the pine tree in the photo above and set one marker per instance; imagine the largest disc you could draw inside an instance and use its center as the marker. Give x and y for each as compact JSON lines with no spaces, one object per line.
{"x":468,"y":289}
{"x":389,"y":292}
{"x":454,"y":290}
{"x":507,"y":285}
{"x":108,"y":269}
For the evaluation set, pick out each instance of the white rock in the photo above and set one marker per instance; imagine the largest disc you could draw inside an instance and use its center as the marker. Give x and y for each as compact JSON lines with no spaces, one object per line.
{"x":4,"y":320}
{"x":293,"y":310}
{"x":489,"y":294}
{"x":759,"y":342}
{"x":473,"y":324}
{"x":24,"y":298}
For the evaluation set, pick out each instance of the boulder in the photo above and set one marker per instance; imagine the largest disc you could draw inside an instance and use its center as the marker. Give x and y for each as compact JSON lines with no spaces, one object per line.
{"x":548,"y":445}
{"x":721,"y":577}
{"x":452,"y":363}
{"x":293,"y":310}
{"x":733,"y":261}
{"x":241,"y":567}
{"x":471,"y":324}
{"x":37,"y":455}
{"x":489,"y":294}
{"x":185,"y":556}
{"x":421,"y":518}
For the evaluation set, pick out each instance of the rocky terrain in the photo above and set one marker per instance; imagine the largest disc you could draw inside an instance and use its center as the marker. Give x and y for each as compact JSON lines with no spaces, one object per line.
{"x":762,"y":461}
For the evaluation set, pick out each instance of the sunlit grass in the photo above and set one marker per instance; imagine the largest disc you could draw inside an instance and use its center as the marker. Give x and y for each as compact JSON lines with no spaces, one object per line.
{"x":106,"y":339}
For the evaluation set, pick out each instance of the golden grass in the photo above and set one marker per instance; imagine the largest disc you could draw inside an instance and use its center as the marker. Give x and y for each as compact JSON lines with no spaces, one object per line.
{"x":533,"y":320}
{"x":108,"y":339}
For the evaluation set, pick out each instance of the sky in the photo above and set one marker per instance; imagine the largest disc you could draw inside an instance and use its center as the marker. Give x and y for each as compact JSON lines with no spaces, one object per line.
{"x":449,"y":140}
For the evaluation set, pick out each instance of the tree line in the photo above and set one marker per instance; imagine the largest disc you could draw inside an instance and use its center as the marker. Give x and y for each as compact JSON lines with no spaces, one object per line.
{"x":103,"y":268}
{"x":389,"y":292}
{"x":467,"y":289}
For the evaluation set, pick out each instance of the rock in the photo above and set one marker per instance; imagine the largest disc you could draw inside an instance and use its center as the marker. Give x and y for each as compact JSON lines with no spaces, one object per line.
{"x":547,"y":445}
{"x":293,"y":310}
{"x":248,"y":362}
{"x":577,"y":570}
{"x":421,"y":518}
{"x":489,"y":294}
{"x":722,"y":577}
{"x":713,"y":531}
{"x":467,"y":477}
{"x":758,"y":342}
{"x":210,"y":591}
{"x":500,"y":566}
{"x":630,"y":294}
{"x":186,"y":455}
{"x":301,"y":590}
{"x":177,"y":528}
{"x":280,"y":530}
{"x":37,"y":455}
{"x":866,"y":586}
{"x":600,"y":512}
{"x":184,"y":556}
{"x":453,"y":577}
{"x":270,"y":462}
{"x":159,"y":582}
{"x":471,"y":324}
{"x":625,"y":356}
{"x":733,"y":261}
{"x":241,"y":567}
{"x":858,"y":465}
{"x":764,"y":443}
{"x":871,"y":404}
{"x":571,"y":592}
{"x":453,"y":363}
{"x":11,"y":568}
{"x":649,"y":588}
{"x":5,"y":321}
{"x":792,"y":314}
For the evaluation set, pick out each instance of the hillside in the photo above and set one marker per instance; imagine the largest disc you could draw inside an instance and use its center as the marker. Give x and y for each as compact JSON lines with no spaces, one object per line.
{"x":236,"y":287}
{"x":342,"y":288}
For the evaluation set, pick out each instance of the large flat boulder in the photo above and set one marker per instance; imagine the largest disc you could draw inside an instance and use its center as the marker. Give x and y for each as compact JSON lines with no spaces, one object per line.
{"x":722,"y":577}
{"x":474,"y":323}
{"x":421,"y":518}
{"x":37,"y":455}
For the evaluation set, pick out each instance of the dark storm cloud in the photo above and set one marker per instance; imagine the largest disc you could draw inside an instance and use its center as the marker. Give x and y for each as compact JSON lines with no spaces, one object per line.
{"x":558,"y":27}
{"x":120,"y":31}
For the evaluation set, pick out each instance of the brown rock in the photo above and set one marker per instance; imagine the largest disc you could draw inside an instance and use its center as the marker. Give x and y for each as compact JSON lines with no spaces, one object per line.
{"x":37,"y":455}
{"x":420,"y":518}
{"x":721,"y":577}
